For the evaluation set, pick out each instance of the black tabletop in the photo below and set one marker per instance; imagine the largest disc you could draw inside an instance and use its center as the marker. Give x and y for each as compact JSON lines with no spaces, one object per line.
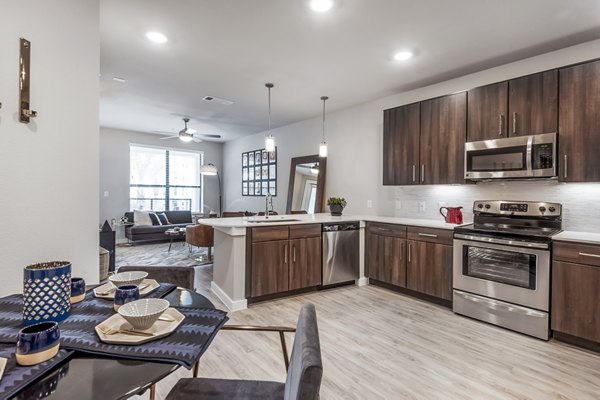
{"x":95,"y":377}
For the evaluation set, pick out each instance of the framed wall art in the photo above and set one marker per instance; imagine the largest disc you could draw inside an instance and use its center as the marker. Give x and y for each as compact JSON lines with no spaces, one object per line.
{"x":259,"y":173}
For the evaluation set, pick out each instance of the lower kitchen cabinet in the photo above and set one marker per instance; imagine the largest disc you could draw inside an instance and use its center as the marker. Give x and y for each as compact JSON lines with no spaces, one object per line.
{"x":419,"y":259}
{"x":429,"y":269}
{"x":385,"y":253}
{"x":575,"y":294}
{"x":282,"y":258}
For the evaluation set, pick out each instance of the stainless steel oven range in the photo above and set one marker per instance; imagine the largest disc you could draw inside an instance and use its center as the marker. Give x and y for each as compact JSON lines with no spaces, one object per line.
{"x":501,"y":268}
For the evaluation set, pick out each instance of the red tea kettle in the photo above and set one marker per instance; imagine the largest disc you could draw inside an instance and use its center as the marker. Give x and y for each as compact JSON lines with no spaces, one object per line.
{"x":453,"y":215}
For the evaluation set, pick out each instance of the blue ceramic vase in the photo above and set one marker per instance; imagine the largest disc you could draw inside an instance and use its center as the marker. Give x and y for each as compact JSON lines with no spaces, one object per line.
{"x":125,"y":294}
{"x":77,"y":290}
{"x":37,"y":343}
{"x":46,"y":292}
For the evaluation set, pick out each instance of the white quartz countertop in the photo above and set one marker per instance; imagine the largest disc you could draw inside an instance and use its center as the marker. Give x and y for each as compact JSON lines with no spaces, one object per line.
{"x":323,"y":218}
{"x":581,"y":237}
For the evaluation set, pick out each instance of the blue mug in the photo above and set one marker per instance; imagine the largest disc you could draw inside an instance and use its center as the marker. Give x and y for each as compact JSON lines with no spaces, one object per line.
{"x":125,"y":294}
{"x":37,"y":343}
{"x":77,"y":290}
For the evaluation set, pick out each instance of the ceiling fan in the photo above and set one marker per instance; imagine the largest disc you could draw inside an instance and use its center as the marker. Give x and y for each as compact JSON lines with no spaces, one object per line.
{"x":188,"y":134}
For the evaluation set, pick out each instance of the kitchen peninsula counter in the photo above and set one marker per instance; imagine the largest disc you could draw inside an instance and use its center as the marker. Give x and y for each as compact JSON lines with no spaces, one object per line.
{"x":229,"y":268}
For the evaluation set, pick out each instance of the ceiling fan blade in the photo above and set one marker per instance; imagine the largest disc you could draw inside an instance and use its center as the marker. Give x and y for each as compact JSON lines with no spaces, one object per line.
{"x":196,"y":140}
{"x":208,"y":135}
{"x":169,"y":137}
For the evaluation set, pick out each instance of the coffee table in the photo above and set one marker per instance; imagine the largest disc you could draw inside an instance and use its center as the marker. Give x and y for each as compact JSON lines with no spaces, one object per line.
{"x":173,"y":234}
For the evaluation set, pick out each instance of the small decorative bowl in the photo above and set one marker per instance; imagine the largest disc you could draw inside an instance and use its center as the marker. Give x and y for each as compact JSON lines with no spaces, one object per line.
{"x":142,"y":314}
{"x":125,"y":294}
{"x":37,"y":343}
{"x":77,"y":290}
{"x":128,"y":278}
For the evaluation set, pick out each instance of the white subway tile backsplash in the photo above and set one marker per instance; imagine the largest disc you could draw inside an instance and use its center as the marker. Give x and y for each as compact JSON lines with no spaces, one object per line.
{"x":581,"y":201}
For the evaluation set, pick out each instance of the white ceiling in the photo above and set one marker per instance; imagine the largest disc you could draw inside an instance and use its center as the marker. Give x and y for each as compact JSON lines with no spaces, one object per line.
{"x":230,"y":48}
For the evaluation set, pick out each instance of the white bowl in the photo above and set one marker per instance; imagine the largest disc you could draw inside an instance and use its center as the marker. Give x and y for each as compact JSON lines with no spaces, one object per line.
{"x":142,"y":314}
{"x":128,"y":278}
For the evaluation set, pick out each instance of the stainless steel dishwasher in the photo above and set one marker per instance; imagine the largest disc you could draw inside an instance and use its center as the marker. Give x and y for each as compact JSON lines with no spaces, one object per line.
{"x":340,"y":252}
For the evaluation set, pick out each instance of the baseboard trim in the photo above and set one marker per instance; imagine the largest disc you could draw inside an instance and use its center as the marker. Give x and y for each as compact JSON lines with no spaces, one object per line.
{"x":363,"y":281}
{"x":232,"y":305}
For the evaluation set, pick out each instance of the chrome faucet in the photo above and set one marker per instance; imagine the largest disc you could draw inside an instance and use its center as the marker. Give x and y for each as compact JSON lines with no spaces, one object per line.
{"x":268,"y":201}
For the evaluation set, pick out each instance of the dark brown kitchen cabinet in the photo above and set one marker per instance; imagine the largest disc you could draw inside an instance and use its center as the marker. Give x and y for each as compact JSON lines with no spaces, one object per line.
{"x":533,"y":104}
{"x":401,"y":128}
{"x":487,"y":110}
{"x":270,"y":269}
{"x":385,"y":253}
{"x":579,"y":123}
{"x":429,"y":269}
{"x":575,"y":295}
{"x":305,"y":263}
{"x":282,"y":258}
{"x":442,"y":143}
{"x":429,"y":263}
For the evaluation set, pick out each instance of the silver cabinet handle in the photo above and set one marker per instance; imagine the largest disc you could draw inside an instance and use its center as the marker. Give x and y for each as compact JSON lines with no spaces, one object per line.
{"x":500,"y":118}
{"x":409,"y":252}
{"x":427,"y":235}
{"x":565,"y":170}
{"x":422,"y":172}
{"x":514,"y":123}
{"x":589,"y":255}
{"x":285,"y":251}
{"x":294,"y":253}
{"x":414,"y":173}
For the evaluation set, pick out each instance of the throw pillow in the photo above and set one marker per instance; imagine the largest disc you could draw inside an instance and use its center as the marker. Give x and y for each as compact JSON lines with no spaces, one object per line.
{"x":154,"y":218}
{"x":162,"y":217}
{"x":141,"y":218}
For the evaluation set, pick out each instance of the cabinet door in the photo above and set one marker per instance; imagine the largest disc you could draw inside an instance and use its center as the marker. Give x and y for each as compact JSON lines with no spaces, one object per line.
{"x":576,"y":300}
{"x":386,"y":259}
{"x":579,"y":124}
{"x":443,"y":135}
{"x":429,"y":269}
{"x":270,"y":266}
{"x":305,"y":266}
{"x":401,"y":145}
{"x":487,"y":108}
{"x":533,"y":104}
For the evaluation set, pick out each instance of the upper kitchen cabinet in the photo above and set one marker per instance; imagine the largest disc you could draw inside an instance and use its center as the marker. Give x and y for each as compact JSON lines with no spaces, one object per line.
{"x":486,"y":112}
{"x":443,"y":133}
{"x":533,"y":104}
{"x":579,"y":123}
{"x":401,"y":145}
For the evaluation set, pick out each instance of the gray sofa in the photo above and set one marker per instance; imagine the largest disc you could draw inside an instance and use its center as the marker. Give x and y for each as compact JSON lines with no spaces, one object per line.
{"x":156,"y":232}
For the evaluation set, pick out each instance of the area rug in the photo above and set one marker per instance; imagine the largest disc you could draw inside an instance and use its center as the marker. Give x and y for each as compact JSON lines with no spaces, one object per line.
{"x":159,"y":254}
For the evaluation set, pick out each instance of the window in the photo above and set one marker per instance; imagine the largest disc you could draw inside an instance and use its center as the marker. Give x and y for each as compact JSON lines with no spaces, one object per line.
{"x":162,"y":179}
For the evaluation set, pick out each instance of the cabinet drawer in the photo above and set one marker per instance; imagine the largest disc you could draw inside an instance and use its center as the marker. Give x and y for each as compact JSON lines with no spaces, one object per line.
{"x":305,"y":231}
{"x":576,"y":253}
{"x":265,"y":233}
{"x":432,"y":235}
{"x":386,"y":229}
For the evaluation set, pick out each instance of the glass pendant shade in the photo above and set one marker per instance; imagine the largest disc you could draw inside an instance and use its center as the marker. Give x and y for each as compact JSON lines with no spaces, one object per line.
{"x":323,"y":149}
{"x":270,"y":144}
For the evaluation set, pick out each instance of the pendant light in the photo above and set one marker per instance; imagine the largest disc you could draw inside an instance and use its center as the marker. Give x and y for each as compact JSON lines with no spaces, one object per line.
{"x":323,"y":145}
{"x":269,"y":140}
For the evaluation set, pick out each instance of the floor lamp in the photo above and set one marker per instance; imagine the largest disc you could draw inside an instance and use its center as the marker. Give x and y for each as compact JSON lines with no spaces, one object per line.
{"x":211,"y":170}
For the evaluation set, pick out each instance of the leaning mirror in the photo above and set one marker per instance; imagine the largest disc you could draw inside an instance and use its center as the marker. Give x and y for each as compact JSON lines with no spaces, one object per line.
{"x":307,"y":185}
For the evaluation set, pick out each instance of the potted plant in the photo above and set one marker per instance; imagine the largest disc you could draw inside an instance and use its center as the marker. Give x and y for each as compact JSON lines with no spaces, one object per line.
{"x":336,"y":205}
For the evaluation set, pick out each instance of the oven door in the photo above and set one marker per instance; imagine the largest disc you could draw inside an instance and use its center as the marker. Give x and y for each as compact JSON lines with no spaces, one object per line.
{"x":517,"y":275}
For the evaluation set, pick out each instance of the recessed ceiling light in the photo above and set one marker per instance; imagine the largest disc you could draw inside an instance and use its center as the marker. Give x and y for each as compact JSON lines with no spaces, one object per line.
{"x":321,"y":5}
{"x":402,"y":55}
{"x":156,"y":37}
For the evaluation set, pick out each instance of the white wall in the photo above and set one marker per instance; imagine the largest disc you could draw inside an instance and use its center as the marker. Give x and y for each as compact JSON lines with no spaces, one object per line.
{"x":354,"y":166}
{"x":49,"y":167}
{"x":114,"y":168}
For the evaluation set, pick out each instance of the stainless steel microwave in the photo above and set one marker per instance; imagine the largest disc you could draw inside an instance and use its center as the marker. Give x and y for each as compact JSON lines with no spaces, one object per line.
{"x":532,"y":156}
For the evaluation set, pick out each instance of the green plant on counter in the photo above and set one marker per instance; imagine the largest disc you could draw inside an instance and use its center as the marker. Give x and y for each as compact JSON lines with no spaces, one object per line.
{"x":337,"y":201}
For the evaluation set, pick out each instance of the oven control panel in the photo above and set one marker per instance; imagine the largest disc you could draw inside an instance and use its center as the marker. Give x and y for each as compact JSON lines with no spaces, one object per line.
{"x":525,"y":208}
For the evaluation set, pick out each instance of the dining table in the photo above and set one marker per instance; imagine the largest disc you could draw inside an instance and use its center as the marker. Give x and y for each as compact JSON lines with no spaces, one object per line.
{"x":84,"y":376}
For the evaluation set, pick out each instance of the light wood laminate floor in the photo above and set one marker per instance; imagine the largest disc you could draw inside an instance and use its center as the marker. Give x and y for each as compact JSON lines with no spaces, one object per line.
{"x":378,"y":344}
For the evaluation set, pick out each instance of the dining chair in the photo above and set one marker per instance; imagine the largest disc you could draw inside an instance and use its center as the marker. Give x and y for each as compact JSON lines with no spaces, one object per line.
{"x":304,"y":369}
{"x":231,"y":214}
{"x":298,"y":212}
{"x":200,"y":236}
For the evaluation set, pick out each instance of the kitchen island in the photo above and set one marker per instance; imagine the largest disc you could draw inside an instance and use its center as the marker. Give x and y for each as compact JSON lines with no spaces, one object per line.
{"x":230,"y":274}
